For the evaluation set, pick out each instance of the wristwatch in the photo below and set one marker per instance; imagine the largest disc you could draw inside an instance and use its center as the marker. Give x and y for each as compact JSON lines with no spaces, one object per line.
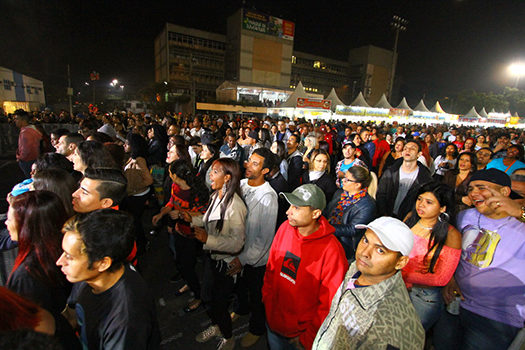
{"x":522,"y":217}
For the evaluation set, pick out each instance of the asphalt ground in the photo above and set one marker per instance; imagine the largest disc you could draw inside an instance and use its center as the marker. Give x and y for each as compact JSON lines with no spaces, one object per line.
{"x":178,"y":329}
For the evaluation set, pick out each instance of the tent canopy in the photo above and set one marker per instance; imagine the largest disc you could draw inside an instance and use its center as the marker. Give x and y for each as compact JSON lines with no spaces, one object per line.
{"x":404,"y":105}
{"x":298,"y":93}
{"x":360,"y":101}
{"x":483,"y":113}
{"x":437,"y":108}
{"x":383,"y":102}
{"x":332,"y":96}
{"x":472,"y":113}
{"x":421,"y":107}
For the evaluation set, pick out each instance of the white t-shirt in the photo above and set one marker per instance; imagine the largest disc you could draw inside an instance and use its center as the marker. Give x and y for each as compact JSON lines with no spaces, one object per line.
{"x":405,"y":182}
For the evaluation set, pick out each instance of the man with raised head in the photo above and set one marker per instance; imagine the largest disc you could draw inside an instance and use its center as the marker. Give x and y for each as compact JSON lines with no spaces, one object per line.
{"x":295,"y":161}
{"x":490,"y":278}
{"x":306,"y":266}
{"x":397,"y":188}
{"x":372,"y":309}
{"x":262,"y":204}
{"x":110,"y":303}
{"x":99,"y":189}
{"x":67,"y":144}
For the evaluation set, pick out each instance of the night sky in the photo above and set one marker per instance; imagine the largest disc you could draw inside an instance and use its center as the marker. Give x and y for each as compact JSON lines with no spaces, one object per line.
{"x":449,"y":45}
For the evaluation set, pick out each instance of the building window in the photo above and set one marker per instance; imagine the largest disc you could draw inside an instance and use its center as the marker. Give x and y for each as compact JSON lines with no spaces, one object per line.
{"x":317,"y":64}
{"x":7,"y":84}
{"x":294,"y":60}
{"x":28,"y":89}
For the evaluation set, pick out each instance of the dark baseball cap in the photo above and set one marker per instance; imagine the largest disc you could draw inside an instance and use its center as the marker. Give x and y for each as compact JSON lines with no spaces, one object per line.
{"x":308,"y":195}
{"x":492,"y":175}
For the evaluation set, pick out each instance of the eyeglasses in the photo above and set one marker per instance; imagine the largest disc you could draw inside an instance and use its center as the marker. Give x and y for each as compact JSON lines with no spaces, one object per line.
{"x":348,"y":180}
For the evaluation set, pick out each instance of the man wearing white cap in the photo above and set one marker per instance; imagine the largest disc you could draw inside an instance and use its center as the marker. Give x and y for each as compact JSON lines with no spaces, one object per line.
{"x":372,"y":309}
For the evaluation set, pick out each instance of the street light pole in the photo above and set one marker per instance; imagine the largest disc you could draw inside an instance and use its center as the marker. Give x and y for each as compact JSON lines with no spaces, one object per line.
{"x":69,"y":91}
{"x":399,"y":25}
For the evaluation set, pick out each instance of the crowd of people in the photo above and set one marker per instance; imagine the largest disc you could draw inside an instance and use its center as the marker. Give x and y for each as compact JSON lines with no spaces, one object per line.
{"x":329,"y":235}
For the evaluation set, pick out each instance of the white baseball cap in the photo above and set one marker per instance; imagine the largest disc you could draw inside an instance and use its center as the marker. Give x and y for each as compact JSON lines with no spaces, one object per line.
{"x":393,"y":233}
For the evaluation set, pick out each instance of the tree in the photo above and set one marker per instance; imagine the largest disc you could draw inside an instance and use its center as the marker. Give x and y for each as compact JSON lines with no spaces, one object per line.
{"x":466,"y":99}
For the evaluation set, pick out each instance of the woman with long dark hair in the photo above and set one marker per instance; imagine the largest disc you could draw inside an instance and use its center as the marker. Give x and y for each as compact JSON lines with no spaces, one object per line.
{"x":35,"y":221}
{"x":189,"y":197}
{"x":209,"y":154}
{"x":265,"y":140}
{"x":436,"y":251}
{"x":58,"y":181}
{"x":91,"y":154}
{"x":390,"y":157}
{"x":459,"y":177}
{"x":223,"y":236}
{"x":446,"y":161}
{"x":278,"y":148}
{"x":139,"y":181}
{"x":158,"y":140}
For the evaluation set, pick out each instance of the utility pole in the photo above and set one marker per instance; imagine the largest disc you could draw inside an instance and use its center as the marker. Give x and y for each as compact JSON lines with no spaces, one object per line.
{"x":192,"y":86}
{"x":399,"y":25}
{"x":69,"y":91}
{"x":94,"y":76}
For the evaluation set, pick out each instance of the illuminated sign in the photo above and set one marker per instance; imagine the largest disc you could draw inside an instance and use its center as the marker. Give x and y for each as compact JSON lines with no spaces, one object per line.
{"x":316,"y":103}
{"x":261,"y":23}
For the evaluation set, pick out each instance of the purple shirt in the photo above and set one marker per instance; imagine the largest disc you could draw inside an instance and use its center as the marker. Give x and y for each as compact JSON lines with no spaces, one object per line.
{"x":491,"y":273}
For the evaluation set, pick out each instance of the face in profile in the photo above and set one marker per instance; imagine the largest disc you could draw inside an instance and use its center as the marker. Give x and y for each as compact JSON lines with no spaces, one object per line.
{"x":73,"y":261}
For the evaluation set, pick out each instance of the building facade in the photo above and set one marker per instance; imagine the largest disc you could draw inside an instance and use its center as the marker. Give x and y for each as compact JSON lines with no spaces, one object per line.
{"x":257,"y":53}
{"x":19,"y":91}
{"x":319,"y":74}
{"x":370,"y":69}
{"x":191,"y":60}
{"x":259,"y":48}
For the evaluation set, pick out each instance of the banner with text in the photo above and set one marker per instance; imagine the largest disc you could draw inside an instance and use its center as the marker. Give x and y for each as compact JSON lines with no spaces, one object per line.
{"x":261,"y":23}
{"x":312,"y":102}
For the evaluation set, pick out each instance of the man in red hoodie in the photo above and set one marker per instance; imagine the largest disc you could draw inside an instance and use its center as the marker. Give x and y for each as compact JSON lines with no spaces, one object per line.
{"x":305,"y":267}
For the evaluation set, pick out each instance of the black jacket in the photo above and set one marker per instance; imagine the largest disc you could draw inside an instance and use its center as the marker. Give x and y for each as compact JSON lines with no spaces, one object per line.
{"x":279,"y":185}
{"x":295,"y":169}
{"x":362,"y":212}
{"x":389,"y":185}
{"x":326,"y":182}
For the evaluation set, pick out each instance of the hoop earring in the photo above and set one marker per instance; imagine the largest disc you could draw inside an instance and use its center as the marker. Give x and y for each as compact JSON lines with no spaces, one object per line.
{"x":444,"y":217}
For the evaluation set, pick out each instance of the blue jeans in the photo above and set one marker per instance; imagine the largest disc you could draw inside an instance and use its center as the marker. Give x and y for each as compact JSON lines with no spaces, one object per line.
{"x":470,"y":331}
{"x":277,"y":341}
{"x":428,"y":304}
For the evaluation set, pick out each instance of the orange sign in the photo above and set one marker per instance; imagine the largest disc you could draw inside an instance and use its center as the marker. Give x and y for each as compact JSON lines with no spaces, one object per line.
{"x":315,"y":103}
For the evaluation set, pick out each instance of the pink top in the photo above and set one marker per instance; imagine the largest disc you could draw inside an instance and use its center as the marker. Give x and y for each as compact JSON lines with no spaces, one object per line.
{"x":416,"y":271}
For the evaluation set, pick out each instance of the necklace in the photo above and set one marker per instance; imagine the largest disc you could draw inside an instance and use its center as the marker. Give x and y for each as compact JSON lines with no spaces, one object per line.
{"x":425,"y":227}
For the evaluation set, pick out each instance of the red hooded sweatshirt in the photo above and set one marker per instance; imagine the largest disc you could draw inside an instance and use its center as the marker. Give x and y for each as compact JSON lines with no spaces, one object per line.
{"x":302,"y":277}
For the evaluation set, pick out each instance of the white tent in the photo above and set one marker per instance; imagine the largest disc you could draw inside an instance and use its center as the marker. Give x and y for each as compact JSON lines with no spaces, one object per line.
{"x":437,"y":108}
{"x":421,"y":107}
{"x":404,"y":105}
{"x":332,"y":96}
{"x":472,"y":113}
{"x":483,"y":113}
{"x":292,"y":100}
{"x":360,"y":101}
{"x":383,"y":103}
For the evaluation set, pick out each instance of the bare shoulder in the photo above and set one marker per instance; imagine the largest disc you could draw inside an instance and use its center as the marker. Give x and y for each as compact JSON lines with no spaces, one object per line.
{"x":453,"y":238}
